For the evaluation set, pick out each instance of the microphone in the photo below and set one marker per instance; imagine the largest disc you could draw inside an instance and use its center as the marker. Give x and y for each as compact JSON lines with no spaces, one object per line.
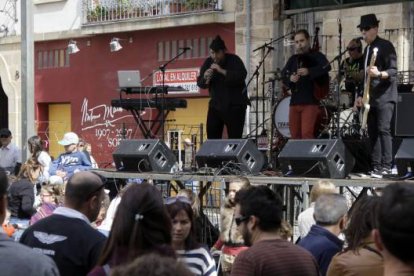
{"x":186,"y":48}
{"x":339,"y":26}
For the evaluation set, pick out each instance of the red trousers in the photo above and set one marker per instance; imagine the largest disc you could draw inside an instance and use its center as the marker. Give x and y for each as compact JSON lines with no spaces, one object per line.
{"x":302,"y":121}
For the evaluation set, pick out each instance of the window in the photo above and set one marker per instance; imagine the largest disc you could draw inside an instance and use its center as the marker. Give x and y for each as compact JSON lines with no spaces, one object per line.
{"x":170,"y":48}
{"x":55,"y":58}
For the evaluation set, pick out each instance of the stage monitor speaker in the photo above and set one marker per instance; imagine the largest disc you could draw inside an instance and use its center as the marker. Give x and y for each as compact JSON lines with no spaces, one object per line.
{"x":144,"y":156}
{"x":404,"y":159}
{"x":316,"y":158}
{"x":230,"y":154}
{"x":405,"y":111}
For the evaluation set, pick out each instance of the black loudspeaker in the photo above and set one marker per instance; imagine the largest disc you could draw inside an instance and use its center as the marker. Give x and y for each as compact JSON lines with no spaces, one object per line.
{"x":231,"y":154}
{"x":403,"y":124}
{"x":404,"y":159}
{"x":144,"y":156}
{"x":316,"y":158}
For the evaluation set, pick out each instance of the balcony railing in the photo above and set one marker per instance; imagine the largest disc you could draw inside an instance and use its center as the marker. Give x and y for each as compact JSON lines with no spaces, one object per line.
{"x":96,"y":11}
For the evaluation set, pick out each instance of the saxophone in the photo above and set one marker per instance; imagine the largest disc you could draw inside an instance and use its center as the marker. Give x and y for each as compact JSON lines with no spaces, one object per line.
{"x":365,"y":98}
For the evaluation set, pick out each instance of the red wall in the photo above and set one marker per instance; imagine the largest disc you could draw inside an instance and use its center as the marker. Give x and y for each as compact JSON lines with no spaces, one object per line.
{"x":92,"y":75}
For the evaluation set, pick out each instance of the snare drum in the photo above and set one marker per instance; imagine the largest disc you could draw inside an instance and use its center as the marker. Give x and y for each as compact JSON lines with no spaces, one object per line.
{"x":281,"y":118}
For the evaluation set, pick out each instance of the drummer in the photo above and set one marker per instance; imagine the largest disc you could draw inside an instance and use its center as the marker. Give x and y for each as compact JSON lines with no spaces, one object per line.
{"x":353,"y":69}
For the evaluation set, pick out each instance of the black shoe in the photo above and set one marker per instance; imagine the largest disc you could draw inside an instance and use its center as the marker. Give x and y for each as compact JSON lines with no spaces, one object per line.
{"x":376,"y":173}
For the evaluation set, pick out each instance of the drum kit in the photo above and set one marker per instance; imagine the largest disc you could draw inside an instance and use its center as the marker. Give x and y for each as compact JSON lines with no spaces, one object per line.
{"x":331,"y":109}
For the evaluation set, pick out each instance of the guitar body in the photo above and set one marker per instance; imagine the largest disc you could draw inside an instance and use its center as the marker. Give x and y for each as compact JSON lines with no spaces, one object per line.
{"x":365,"y":98}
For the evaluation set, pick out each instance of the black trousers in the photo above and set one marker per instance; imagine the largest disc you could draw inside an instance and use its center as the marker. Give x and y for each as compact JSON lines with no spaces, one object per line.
{"x":379,"y":131}
{"x":233,"y":118}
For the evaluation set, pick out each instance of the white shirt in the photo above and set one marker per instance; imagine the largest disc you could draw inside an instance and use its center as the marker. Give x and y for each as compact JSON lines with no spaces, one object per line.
{"x":70,"y":213}
{"x":9,"y":156}
{"x":306,"y":220}
{"x":44,"y":160}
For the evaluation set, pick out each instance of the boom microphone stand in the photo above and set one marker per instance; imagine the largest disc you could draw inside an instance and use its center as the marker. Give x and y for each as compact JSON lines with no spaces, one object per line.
{"x":256,"y":74}
{"x":163,"y":88}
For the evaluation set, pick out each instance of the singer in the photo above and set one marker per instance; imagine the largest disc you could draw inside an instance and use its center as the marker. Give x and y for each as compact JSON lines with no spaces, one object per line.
{"x":383,"y":95}
{"x":304,"y":73}
{"x":224,"y":75}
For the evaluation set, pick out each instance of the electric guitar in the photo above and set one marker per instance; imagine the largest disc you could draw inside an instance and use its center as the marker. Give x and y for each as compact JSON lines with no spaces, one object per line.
{"x":365,"y":98}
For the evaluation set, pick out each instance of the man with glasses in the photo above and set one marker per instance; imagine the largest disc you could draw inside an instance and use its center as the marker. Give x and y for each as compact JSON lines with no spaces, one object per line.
{"x":10,"y":154}
{"x":67,"y":236}
{"x":258,"y":215}
{"x":383,"y":94}
{"x":352,"y":67}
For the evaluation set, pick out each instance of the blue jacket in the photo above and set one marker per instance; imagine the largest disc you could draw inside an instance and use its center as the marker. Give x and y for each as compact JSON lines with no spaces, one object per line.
{"x":323,"y":245}
{"x":69,"y":162}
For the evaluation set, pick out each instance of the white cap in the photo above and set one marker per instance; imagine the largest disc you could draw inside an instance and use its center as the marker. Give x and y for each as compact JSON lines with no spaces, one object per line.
{"x":69,"y":138}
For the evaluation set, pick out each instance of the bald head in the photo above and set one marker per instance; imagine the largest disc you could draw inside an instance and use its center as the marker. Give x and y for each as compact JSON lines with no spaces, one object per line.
{"x":81,"y":187}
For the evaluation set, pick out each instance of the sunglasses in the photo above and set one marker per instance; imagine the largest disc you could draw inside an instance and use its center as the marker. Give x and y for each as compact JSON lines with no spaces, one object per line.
{"x":365,"y":29}
{"x":241,"y":219}
{"x":171,"y":200}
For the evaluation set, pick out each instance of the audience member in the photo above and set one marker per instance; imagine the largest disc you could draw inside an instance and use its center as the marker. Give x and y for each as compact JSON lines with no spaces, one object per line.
{"x":189,"y":251}
{"x":206,"y":232}
{"x":67,"y":236}
{"x":51,"y":198}
{"x":305,"y":219}
{"x":69,"y":162}
{"x":15,"y":258}
{"x":395,"y":236}
{"x":104,"y":209}
{"x":361,"y":257}
{"x":322,"y":240}
{"x":10,"y":154}
{"x":152,"y":265}
{"x":22,"y":196}
{"x":231,"y":241}
{"x":258,"y":215}
{"x":141,"y":226}
{"x":35,"y":146}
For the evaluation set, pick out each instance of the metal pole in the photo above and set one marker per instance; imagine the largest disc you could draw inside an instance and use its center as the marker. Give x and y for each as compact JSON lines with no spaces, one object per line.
{"x":27,"y":77}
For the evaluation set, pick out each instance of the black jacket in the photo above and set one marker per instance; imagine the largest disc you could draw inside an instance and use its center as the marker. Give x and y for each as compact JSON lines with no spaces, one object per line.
{"x":303,"y":89}
{"x":229,"y":90}
{"x":383,"y":90}
{"x":21,"y":199}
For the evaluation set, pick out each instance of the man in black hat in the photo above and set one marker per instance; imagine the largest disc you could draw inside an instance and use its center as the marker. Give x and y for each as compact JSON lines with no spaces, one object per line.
{"x":383,"y":94}
{"x":10,"y":154}
{"x":224,"y":75}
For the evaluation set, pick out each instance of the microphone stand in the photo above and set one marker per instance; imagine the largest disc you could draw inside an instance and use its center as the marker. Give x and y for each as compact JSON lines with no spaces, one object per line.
{"x":256,"y":75}
{"x":338,"y":58}
{"x":163,"y":88}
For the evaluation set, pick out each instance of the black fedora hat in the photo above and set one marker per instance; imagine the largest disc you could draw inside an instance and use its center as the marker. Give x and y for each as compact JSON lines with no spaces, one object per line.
{"x":368,"y":20}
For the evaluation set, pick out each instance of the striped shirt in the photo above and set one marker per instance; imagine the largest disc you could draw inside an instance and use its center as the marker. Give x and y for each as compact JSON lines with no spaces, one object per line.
{"x":198,"y":261}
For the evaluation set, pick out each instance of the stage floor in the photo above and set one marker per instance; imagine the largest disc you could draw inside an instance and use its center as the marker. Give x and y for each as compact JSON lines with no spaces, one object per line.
{"x":354,"y":180}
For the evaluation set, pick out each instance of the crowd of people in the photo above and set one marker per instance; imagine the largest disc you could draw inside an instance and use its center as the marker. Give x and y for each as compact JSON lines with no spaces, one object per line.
{"x":74,"y":228}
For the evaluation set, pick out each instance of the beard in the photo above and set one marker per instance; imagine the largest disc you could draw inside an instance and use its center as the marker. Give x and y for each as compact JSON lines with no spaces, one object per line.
{"x":247,"y":237}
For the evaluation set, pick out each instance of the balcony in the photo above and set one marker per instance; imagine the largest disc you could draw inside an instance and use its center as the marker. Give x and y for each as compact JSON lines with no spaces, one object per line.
{"x":107,"y":11}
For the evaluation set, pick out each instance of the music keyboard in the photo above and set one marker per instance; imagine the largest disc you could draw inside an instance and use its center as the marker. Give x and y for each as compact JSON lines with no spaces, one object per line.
{"x":151,"y":89}
{"x":141,"y":104}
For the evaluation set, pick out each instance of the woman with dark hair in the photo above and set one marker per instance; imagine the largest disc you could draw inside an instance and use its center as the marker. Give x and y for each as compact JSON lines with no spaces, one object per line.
{"x":22,"y":195}
{"x":361,"y":257}
{"x":184,"y":242}
{"x":35,"y":146}
{"x":141,"y":226}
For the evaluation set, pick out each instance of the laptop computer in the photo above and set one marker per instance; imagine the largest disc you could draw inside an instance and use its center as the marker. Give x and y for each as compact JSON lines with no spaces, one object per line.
{"x":129,"y":78}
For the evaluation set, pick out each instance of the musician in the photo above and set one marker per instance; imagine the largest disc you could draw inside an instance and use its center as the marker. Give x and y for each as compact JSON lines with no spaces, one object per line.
{"x":383,"y":94}
{"x":352,"y":67}
{"x":305,"y":73}
{"x":224,"y":75}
